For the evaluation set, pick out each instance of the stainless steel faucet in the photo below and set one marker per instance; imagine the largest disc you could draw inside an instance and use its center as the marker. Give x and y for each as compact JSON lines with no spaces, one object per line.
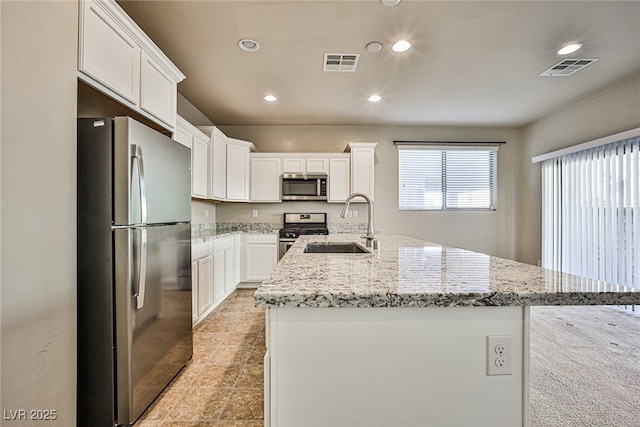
{"x":370,"y":237}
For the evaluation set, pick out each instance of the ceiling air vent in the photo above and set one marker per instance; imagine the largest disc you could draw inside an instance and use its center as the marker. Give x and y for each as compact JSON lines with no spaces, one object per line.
{"x":341,"y":62}
{"x":567,"y":67}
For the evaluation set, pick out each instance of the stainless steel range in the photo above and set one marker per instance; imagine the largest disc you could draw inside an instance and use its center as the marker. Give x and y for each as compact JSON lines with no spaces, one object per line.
{"x":301,"y":224}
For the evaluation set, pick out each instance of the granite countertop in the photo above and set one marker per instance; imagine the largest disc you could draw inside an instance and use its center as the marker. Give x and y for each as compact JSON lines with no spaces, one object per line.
{"x":202,"y":233}
{"x":407,"y":272}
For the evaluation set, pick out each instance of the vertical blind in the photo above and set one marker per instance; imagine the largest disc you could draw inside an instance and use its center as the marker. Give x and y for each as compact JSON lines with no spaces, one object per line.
{"x":591,"y":213}
{"x":436,"y":177}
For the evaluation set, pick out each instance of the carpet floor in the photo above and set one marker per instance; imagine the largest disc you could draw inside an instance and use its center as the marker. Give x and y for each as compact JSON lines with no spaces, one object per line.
{"x":585,"y":367}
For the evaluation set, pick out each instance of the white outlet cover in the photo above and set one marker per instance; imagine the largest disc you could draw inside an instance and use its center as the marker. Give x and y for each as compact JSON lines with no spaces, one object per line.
{"x":499,"y":354}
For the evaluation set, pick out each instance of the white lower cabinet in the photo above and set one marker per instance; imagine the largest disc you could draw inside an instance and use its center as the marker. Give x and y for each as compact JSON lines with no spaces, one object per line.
{"x":205,"y":285}
{"x":261,"y":255}
{"x":218,"y":276}
{"x":219,"y":265}
{"x":215,"y":273}
{"x":194,"y":293}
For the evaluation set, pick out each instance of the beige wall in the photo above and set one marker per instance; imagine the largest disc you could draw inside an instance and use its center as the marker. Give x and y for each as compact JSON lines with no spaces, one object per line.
{"x":605,"y":113}
{"x":490,"y":232}
{"x":38,"y":200}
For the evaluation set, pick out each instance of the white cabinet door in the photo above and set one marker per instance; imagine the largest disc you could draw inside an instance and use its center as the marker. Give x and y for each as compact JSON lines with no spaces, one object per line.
{"x":183,"y":132}
{"x":229,"y":270}
{"x":116,"y":57}
{"x":339,"y":179}
{"x":158,"y":91}
{"x":237,"y":172}
{"x":293,"y":165}
{"x":205,"y":284}
{"x":190,"y":136}
{"x":261,"y":256}
{"x":362,"y":168}
{"x":218,"y":276}
{"x":107,"y":53}
{"x":265,"y":179}
{"x":194,"y":293}
{"x":237,"y":248}
{"x":218,"y":165}
{"x":317,"y":165}
{"x":199,"y":167}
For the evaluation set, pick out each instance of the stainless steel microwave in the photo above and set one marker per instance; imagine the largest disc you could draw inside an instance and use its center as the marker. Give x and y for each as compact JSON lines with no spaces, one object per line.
{"x":297,"y":186}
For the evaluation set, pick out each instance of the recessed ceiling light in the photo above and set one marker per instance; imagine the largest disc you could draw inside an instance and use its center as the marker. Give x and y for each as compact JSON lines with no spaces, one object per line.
{"x":270,"y":98}
{"x":569,"y":48}
{"x":249,"y":45}
{"x":401,"y":46}
{"x":374,"y":47}
{"x":375,"y":98}
{"x":389,"y":3}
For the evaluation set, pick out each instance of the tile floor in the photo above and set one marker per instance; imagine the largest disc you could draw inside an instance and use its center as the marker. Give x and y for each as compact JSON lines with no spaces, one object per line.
{"x":223,"y":384}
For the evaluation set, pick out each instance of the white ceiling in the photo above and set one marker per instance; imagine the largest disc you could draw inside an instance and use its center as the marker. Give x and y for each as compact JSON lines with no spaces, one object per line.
{"x":472,"y":63}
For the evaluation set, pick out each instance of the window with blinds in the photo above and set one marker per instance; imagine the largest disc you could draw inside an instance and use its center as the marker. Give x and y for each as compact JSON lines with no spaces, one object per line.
{"x":591,"y":213}
{"x":446,"y":177}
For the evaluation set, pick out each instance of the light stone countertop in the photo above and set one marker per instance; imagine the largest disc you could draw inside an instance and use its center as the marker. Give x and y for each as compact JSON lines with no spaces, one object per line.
{"x":407,"y":272}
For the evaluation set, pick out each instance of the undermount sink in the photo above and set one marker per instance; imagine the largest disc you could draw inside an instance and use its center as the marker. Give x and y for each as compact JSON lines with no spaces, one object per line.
{"x":335,"y":248}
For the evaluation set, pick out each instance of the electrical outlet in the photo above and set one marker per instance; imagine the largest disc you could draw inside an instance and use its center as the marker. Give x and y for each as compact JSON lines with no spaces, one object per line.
{"x":254,"y":213}
{"x":206,"y":213}
{"x":499,"y":354}
{"x":355,"y":214}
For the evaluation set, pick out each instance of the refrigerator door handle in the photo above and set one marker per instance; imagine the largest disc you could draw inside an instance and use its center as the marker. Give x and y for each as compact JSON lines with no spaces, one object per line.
{"x":142,"y":183}
{"x":138,"y":297}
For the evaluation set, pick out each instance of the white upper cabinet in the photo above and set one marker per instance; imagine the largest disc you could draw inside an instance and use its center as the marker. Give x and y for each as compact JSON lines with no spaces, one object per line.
{"x":293,"y":165}
{"x":228,"y":166}
{"x":265,"y":178}
{"x":362,"y":168}
{"x":106,"y":52}
{"x":339,"y":178}
{"x":158,"y":91}
{"x":305,"y":163}
{"x":200,"y":167}
{"x":116,"y":57}
{"x":218,"y":165}
{"x":317,"y":164}
{"x":190,"y":136}
{"x":238,"y":170}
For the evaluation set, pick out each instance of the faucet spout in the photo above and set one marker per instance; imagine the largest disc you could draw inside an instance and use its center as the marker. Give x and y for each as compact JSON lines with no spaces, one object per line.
{"x":370,"y":233}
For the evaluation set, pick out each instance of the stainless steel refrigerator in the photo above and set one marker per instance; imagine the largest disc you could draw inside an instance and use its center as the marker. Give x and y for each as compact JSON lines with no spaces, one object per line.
{"x":134,"y":268}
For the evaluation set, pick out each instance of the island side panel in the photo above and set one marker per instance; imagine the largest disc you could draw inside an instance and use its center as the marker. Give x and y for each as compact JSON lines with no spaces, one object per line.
{"x":394,"y":367}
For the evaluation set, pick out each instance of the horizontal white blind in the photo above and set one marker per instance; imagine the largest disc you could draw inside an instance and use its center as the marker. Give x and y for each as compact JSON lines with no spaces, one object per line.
{"x":439,"y":178}
{"x":591,"y":213}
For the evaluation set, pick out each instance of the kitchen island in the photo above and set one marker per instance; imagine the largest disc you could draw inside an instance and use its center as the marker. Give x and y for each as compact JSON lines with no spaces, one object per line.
{"x":406,"y":335}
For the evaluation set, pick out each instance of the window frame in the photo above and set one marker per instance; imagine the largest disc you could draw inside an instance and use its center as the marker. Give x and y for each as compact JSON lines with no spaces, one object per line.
{"x":444,"y":148}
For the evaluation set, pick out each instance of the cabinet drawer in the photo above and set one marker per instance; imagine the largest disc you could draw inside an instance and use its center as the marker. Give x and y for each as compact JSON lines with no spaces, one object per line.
{"x":224,"y":243}
{"x":262,"y":238}
{"x":200,"y":250}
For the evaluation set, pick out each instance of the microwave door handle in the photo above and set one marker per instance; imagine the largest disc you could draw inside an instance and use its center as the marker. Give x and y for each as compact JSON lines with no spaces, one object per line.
{"x":318,"y":187}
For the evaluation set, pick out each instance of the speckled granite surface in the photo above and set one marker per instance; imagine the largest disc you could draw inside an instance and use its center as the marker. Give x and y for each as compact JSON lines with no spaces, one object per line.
{"x":205,"y":232}
{"x":407,"y":272}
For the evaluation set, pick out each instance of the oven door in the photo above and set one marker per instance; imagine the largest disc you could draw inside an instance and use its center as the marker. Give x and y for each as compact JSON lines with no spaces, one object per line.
{"x":284,"y":246}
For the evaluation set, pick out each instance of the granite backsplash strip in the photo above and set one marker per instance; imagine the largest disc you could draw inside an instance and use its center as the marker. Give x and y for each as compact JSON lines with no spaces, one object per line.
{"x":204,"y":232}
{"x":347,"y":228}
